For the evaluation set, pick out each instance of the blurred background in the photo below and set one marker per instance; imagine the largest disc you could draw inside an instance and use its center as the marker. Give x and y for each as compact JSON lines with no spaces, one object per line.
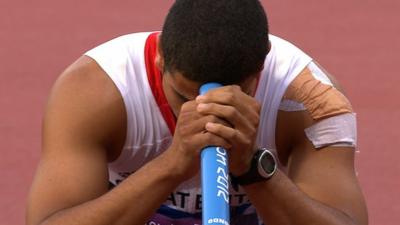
{"x":356,"y":40}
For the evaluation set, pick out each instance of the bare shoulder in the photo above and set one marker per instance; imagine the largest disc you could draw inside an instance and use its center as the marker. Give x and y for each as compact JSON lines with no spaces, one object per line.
{"x":85,"y":100}
{"x":313,"y":96}
{"x":83,"y":129}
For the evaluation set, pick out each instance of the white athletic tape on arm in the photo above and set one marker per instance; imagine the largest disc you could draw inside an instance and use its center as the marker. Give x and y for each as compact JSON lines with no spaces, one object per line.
{"x":291,"y":106}
{"x":340,"y":130}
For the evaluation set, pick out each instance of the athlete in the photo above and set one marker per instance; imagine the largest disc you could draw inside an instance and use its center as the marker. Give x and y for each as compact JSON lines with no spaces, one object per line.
{"x":124,"y":127}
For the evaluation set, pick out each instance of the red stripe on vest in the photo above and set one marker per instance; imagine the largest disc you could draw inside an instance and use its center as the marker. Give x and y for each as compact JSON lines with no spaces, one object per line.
{"x":155,"y":80}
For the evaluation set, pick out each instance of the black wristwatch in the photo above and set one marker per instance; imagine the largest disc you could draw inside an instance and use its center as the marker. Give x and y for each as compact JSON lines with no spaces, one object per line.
{"x":262,"y":167}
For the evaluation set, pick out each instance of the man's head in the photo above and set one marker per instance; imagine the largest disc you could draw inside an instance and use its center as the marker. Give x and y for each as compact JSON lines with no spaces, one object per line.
{"x":223,"y":41}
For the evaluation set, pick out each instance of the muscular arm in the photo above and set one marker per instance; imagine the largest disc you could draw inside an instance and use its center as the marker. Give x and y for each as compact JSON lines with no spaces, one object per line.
{"x":321,"y":186}
{"x":84,"y":125}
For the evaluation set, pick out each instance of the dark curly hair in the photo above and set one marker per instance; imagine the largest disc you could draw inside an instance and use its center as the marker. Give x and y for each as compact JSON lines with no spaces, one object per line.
{"x":215,"y":40}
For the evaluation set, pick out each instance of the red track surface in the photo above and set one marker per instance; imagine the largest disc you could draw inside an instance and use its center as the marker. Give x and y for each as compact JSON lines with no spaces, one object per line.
{"x":356,"y":40}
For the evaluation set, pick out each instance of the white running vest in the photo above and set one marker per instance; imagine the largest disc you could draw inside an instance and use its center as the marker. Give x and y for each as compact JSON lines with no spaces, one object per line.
{"x":148,"y":133}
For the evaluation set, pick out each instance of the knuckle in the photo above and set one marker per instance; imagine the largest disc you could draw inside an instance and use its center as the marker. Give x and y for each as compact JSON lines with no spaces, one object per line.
{"x":185,"y":107}
{"x":244,"y":137}
{"x":229,"y":97}
{"x":236,"y":87}
{"x":247,"y":141}
{"x":256,"y":120}
{"x":233,"y":134}
{"x":257,"y":107}
{"x":231,"y":112}
{"x":231,"y":87}
{"x":253,"y":131}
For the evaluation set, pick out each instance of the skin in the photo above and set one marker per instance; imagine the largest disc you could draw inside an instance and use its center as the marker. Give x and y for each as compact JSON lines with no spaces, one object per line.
{"x":85,"y":126}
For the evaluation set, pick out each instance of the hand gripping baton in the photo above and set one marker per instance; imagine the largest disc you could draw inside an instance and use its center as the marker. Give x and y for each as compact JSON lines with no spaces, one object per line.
{"x":214,"y":179}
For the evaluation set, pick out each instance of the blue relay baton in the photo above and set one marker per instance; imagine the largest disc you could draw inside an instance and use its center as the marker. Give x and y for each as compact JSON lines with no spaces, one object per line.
{"x":214,"y":179}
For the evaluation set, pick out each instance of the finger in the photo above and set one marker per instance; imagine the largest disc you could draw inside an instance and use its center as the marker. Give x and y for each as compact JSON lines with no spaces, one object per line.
{"x":225,"y":95}
{"x":196,"y":124}
{"x":222,"y":95}
{"x":248,"y":124}
{"x":240,"y":153}
{"x":209,"y":139}
{"x":188,"y":107}
{"x":228,"y":113}
{"x":233,"y":136}
{"x":233,"y":96}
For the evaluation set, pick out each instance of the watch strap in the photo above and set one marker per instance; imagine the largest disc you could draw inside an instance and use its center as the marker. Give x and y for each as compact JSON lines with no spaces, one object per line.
{"x":251,"y":176}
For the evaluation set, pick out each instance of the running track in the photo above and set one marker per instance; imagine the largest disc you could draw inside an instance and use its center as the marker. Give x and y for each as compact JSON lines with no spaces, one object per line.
{"x":356,"y":40}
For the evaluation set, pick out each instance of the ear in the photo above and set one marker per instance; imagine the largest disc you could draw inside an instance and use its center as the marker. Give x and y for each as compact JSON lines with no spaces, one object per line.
{"x":159,"y":61}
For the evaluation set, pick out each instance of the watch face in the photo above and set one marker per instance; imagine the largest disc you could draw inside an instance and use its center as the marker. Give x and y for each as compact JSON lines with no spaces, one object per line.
{"x":268,"y":163}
